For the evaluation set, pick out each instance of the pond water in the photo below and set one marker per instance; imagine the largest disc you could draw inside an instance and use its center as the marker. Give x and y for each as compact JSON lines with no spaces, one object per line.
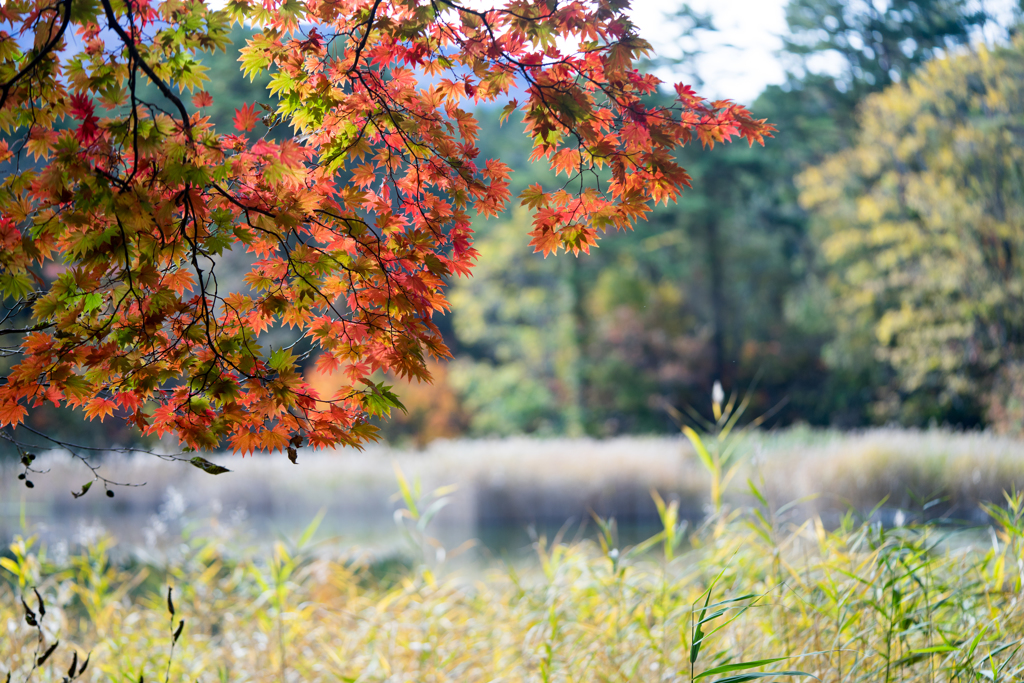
{"x":152,"y":533}
{"x":502,"y":493}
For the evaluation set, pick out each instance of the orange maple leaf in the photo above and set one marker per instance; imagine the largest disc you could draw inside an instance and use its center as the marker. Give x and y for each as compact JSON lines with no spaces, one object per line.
{"x":202,"y":99}
{"x":99,"y":407}
{"x":12,"y":413}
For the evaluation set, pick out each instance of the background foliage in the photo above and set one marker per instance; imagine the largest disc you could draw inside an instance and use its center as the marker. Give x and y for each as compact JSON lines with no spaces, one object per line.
{"x":730,"y":283}
{"x":921,"y":225}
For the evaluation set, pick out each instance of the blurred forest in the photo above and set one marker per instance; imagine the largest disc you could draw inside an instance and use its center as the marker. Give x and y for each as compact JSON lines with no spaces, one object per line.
{"x":862,"y":268}
{"x":803,"y":272}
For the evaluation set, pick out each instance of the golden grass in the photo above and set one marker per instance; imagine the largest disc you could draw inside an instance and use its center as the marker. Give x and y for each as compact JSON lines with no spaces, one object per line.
{"x":904,"y":604}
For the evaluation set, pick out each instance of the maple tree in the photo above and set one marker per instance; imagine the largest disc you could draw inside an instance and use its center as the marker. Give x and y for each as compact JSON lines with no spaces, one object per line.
{"x":353,"y":190}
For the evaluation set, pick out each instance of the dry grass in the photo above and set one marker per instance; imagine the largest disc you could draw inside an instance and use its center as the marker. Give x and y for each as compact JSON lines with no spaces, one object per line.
{"x":909,"y":467}
{"x":517,"y":481}
{"x":367,"y":477}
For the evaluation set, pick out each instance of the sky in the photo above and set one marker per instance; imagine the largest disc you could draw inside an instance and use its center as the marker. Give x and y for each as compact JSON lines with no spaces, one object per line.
{"x":741,"y":58}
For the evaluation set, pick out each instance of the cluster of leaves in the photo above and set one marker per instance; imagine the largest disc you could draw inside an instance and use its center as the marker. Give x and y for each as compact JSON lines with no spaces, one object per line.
{"x":118,"y":201}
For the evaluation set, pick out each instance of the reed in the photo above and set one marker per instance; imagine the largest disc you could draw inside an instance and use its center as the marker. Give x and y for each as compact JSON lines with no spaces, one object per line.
{"x":749,"y":592}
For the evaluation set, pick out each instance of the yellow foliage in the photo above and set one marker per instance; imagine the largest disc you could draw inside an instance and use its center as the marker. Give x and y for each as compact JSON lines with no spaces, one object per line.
{"x":921,"y":224}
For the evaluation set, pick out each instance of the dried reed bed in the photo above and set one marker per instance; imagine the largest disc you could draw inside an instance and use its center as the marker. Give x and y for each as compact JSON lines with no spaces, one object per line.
{"x":518,"y":481}
{"x":909,"y":468}
{"x":359,"y":484}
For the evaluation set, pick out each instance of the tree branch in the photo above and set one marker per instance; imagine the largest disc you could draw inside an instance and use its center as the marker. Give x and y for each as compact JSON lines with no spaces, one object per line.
{"x":146,"y":68}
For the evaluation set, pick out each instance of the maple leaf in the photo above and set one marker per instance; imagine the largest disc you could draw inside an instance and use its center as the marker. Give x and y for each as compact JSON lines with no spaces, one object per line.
{"x":566,"y":160}
{"x":686,"y":94}
{"x":82,"y":108}
{"x":245,"y":118}
{"x":99,"y":407}
{"x":509,"y":109}
{"x":128,"y":400}
{"x":202,"y":99}
{"x":534,"y":196}
{"x":363,"y":175}
{"x":11,"y":412}
{"x":273,"y":440}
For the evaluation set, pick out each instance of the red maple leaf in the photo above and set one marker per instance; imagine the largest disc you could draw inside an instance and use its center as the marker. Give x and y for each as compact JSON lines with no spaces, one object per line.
{"x":82,"y":109}
{"x":246,"y":118}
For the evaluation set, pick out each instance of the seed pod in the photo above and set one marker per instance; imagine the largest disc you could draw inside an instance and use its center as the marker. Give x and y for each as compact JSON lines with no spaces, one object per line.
{"x":84,"y":664}
{"x":30,"y":616}
{"x":46,"y":655}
